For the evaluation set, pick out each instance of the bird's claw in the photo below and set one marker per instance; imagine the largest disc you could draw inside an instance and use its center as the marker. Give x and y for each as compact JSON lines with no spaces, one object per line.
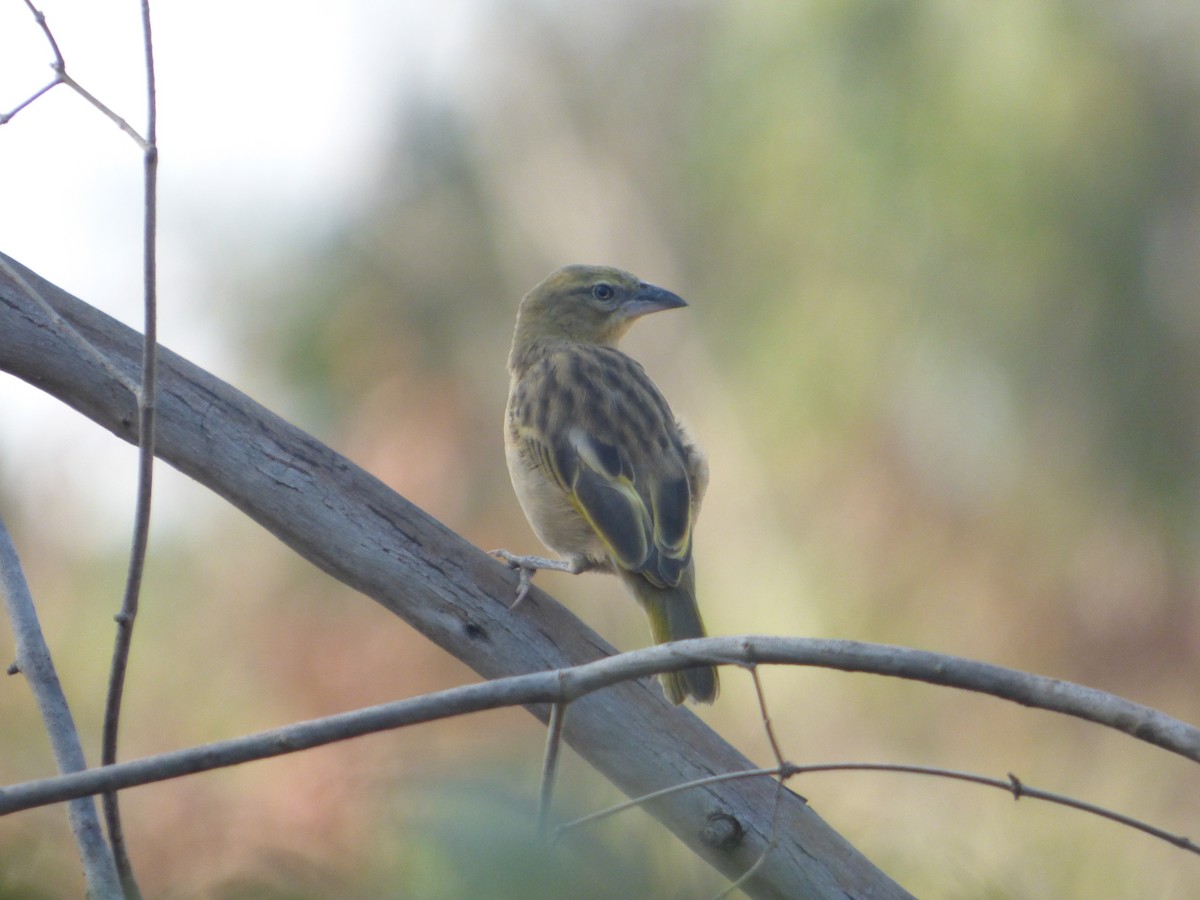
{"x":525,"y":566}
{"x":524,"y":583}
{"x":506,"y":556}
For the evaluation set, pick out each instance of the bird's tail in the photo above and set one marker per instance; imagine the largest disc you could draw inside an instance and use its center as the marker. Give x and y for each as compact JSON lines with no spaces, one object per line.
{"x":674,"y":615}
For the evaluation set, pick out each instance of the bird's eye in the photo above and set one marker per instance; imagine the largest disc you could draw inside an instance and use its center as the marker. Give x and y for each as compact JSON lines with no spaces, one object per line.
{"x":603,"y":291}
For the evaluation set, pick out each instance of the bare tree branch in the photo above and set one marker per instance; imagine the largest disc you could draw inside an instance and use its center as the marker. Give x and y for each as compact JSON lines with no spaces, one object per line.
{"x":59,"y":66}
{"x":351,"y":525}
{"x":147,"y":406}
{"x":534,"y":688}
{"x":1011,"y":785}
{"x":34,"y":661}
{"x":1142,"y":722}
{"x":550,"y":765}
{"x":557,"y":688}
{"x":63,"y":327}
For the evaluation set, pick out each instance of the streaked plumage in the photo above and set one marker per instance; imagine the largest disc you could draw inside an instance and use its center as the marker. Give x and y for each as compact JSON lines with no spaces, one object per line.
{"x":605,"y":474}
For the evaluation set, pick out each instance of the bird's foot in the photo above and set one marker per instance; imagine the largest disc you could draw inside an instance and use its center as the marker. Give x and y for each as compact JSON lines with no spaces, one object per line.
{"x":527,"y":565}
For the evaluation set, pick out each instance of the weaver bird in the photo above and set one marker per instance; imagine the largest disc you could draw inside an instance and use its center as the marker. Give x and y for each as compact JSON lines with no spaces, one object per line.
{"x":606,"y":475}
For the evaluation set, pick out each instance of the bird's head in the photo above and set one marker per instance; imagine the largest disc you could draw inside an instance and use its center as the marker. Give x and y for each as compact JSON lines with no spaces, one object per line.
{"x":587,"y":305}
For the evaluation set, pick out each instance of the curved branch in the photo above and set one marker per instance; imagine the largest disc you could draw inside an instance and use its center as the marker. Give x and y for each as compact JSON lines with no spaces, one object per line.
{"x":357,"y":529}
{"x":558,"y":688}
{"x":1142,"y":722}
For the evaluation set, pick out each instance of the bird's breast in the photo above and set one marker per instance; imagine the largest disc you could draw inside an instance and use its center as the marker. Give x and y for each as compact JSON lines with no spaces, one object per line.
{"x":555,"y":521}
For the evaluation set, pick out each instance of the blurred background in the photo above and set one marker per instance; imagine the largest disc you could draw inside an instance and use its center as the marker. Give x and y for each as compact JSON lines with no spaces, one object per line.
{"x":943,"y":350}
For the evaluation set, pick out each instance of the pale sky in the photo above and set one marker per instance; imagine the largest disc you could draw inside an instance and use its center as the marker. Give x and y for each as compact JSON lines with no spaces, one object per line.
{"x":269,"y":112}
{"x":263,"y":108}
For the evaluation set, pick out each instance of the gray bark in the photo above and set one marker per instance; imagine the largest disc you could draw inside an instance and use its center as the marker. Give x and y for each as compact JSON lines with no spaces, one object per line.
{"x":354,"y":527}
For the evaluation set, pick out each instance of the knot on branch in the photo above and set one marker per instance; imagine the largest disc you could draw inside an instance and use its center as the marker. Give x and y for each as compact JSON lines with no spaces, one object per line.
{"x":723,"y":832}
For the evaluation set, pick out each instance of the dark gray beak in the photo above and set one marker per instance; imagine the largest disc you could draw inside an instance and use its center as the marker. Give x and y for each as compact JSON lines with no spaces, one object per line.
{"x":651,"y":298}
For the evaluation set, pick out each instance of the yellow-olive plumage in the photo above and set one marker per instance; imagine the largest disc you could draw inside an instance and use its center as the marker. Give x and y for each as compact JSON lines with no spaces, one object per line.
{"x":605,"y":474}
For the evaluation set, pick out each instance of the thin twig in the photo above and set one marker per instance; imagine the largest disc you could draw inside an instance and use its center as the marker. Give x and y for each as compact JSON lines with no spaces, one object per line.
{"x":145,"y":143}
{"x":773,"y":840}
{"x":59,"y":66}
{"x":518,"y":690}
{"x":40,"y":17}
{"x":1011,"y":785}
{"x":34,"y":661}
{"x":6,"y":117}
{"x":766,"y":716}
{"x":772,"y":843}
{"x":60,"y":77}
{"x":558,"y":714}
{"x":663,"y":792}
{"x":146,"y":418}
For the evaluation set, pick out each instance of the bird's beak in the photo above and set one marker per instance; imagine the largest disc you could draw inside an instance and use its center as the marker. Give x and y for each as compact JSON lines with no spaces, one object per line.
{"x":651,"y":298}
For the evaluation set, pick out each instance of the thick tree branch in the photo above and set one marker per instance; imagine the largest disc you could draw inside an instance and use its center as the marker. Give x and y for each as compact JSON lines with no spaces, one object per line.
{"x":354,"y":527}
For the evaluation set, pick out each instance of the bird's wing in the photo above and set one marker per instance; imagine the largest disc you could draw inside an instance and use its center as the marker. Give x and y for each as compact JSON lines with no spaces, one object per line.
{"x":633,"y":489}
{"x":600,"y":484}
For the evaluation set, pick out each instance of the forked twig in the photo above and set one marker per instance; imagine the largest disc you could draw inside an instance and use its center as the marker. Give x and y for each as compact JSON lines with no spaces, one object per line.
{"x":1010,"y":785}
{"x":59,"y":67}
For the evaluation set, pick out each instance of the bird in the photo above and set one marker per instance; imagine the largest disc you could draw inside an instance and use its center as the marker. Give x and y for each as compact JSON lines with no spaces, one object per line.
{"x":607,"y":476}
